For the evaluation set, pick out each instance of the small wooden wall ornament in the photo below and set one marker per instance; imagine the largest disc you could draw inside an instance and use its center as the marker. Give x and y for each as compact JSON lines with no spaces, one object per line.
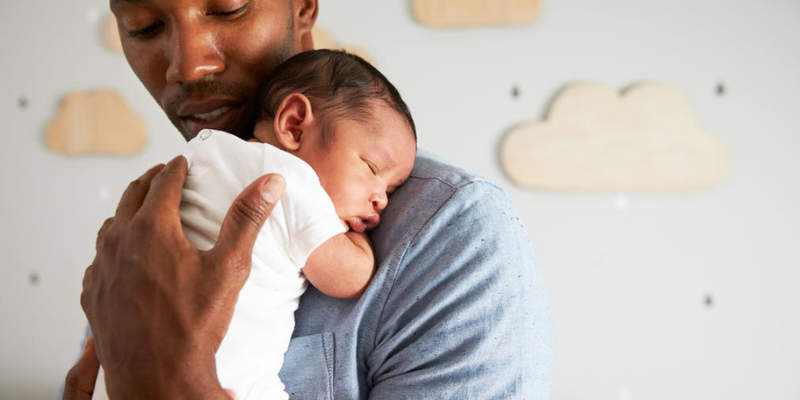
{"x":595,"y":139}
{"x":98,"y":122}
{"x":472,"y":13}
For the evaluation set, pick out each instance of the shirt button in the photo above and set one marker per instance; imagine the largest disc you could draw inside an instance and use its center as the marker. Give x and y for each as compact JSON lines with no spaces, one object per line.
{"x":205,"y":134}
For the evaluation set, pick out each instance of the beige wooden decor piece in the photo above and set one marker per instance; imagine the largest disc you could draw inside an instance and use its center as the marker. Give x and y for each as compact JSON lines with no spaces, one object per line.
{"x":596,"y":139}
{"x":323,"y":40}
{"x":111,"y":35}
{"x":96,"y":122}
{"x":471,"y":13}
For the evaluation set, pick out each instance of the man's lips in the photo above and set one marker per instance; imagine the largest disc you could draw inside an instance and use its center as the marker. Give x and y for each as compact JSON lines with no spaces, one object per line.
{"x":204,"y":108}
{"x":210,"y":116}
{"x":216,"y":114}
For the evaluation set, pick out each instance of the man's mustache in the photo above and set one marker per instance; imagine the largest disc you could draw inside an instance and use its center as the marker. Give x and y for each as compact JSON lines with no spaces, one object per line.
{"x":203,"y":89}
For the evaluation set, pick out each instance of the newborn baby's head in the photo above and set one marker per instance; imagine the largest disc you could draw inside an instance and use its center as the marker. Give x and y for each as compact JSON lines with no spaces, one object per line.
{"x":348,"y":122}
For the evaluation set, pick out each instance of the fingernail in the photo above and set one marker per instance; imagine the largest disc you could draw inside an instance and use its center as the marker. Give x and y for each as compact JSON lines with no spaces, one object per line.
{"x":270,"y":190}
{"x":177,"y":159}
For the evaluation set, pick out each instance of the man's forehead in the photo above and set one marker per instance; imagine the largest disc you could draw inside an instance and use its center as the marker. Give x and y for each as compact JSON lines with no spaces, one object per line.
{"x":115,"y":2}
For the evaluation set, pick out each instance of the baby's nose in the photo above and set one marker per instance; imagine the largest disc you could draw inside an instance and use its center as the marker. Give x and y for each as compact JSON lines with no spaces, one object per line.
{"x":379,"y":202}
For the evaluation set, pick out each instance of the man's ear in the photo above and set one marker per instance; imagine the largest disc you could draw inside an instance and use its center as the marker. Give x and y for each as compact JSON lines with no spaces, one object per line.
{"x":293,"y":120}
{"x":305,"y":15}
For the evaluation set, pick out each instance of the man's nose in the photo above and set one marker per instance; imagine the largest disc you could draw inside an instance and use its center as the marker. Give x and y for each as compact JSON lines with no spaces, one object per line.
{"x":192,"y":53}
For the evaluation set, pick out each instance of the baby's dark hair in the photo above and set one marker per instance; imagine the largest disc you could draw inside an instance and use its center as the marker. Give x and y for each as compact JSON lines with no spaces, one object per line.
{"x":337,"y":83}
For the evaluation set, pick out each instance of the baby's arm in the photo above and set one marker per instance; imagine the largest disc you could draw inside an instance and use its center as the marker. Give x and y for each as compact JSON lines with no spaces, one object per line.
{"x":342,"y":266}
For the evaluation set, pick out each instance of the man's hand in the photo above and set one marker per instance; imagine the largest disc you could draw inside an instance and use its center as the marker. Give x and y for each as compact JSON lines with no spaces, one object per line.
{"x":159,"y":308}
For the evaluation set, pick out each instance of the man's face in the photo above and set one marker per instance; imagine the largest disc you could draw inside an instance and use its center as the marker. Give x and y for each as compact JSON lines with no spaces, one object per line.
{"x":203,"y":60}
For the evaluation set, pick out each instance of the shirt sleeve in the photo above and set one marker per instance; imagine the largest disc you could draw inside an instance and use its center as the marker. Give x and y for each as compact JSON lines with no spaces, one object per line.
{"x":469,"y":317}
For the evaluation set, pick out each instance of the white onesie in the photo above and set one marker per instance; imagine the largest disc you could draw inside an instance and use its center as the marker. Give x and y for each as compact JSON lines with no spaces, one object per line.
{"x":220,"y":167}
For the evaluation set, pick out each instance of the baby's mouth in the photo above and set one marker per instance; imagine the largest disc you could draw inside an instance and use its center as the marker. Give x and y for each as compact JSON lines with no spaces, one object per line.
{"x":371,"y":222}
{"x":356,"y":224}
{"x":363,"y":224}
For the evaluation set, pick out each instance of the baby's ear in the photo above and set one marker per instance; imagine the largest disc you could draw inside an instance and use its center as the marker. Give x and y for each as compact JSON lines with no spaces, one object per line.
{"x":293,"y":120}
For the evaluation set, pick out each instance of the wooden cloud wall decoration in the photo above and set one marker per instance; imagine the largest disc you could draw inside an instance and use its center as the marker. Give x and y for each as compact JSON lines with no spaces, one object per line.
{"x":97,"y":122}
{"x":471,"y":13}
{"x":323,"y":40}
{"x":595,"y":139}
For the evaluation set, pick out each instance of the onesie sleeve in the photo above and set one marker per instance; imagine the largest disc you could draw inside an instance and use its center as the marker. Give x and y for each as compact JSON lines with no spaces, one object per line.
{"x":311,"y":218}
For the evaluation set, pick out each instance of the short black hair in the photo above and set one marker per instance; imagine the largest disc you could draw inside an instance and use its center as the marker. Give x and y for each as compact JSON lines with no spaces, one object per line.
{"x":337,"y":83}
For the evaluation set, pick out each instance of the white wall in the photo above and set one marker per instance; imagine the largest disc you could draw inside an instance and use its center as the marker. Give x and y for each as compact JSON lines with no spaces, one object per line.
{"x":627,"y":284}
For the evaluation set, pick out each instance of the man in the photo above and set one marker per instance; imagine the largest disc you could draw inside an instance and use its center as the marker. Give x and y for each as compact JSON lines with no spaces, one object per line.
{"x":456,"y":308}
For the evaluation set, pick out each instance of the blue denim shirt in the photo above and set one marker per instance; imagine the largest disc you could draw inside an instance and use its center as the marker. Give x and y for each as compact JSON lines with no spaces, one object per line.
{"x":456,"y":309}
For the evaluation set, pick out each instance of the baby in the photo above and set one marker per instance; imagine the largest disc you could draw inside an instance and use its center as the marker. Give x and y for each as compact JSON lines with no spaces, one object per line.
{"x":340,"y":134}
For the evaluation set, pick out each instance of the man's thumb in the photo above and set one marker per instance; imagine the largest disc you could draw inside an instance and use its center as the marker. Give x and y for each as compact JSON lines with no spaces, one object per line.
{"x":246,"y":217}
{"x":81,"y":378}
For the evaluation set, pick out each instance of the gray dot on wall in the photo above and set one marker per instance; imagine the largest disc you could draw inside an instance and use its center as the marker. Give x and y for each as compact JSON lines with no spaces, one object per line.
{"x":709,"y":301}
{"x":22,"y":102}
{"x":515,"y":92}
{"x":33,"y":278}
{"x":721,"y":89}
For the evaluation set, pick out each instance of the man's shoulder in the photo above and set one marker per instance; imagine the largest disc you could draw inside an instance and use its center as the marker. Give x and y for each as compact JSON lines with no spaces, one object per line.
{"x":436,"y":186}
{"x":441,"y":201}
{"x":428,"y":166}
